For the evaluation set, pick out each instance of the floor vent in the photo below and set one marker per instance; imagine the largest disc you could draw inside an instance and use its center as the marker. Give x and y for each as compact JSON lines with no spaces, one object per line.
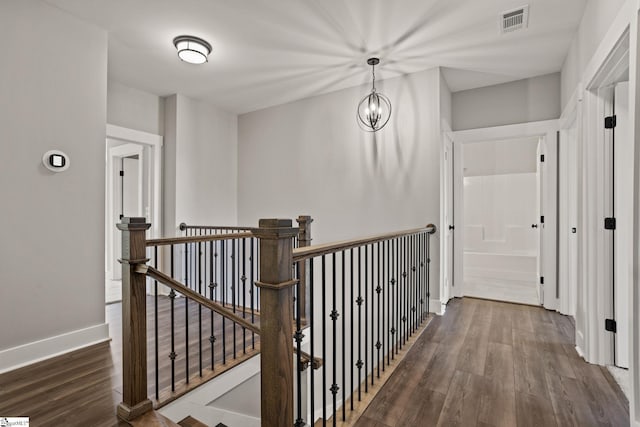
{"x":515,"y":19}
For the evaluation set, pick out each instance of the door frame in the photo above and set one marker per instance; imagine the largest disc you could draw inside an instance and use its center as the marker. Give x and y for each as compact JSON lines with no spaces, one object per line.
{"x":447,"y":259}
{"x":547,"y":130}
{"x":597,"y":265}
{"x":114,"y":154}
{"x":140,"y":139}
{"x":570,"y":123}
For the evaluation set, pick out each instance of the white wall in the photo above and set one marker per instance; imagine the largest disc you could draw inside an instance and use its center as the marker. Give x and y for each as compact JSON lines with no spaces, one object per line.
{"x":596,"y":20}
{"x":53,"y":81}
{"x":310,"y":157}
{"x":522,"y":101}
{"x":134,"y":109}
{"x":201,"y":163}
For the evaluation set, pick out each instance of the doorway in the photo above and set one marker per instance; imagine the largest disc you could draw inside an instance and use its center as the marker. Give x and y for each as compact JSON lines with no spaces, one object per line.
{"x":505,"y":213}
{"x":448,"y":202}
{"x":133,"y":161}
{"x":617,"y":135}
{"x":501,"y":195}
{"x":568,"y":202}
{"x":609,"y":192}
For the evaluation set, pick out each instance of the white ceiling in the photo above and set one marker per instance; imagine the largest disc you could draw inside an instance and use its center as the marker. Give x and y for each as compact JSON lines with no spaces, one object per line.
{"x":269,"y":52}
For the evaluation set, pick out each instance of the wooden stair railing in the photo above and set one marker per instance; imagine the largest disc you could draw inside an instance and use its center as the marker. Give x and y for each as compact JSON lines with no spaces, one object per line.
{"x":381,"y":285}
{"x":195,"y":296}
{"x":286,"y":266}
{"x":135,"y":271}
{"x":211,"y":305}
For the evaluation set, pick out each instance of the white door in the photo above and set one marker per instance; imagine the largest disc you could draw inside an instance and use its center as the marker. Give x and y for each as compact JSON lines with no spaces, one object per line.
{"x":448,"y":221}
{"x":124,"y":197}
{"x":538,"y":224}
{"x":131,"y":186}
{"x":623,"y":233}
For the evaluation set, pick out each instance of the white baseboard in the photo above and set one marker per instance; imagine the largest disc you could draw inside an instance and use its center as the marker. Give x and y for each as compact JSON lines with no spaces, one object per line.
{"x":26,"y":354}
{"x":435,"y":306}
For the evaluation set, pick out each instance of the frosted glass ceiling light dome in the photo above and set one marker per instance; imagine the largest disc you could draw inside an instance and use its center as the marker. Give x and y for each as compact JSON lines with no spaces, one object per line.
{"x":374,"y":110}
{"x":192,"y":49}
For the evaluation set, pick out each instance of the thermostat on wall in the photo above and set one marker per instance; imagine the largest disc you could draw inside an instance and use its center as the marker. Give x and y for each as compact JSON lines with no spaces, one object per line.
{"x":56,"y":161}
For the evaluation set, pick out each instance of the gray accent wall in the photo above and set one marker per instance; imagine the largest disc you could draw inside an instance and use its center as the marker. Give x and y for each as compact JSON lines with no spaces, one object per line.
{"x":521,"y":101}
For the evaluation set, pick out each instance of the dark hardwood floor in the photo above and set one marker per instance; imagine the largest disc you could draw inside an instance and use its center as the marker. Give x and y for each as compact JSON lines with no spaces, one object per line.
{"x":484,"y":363}
{"x":488,"y":363}
{"x":83,"y":388}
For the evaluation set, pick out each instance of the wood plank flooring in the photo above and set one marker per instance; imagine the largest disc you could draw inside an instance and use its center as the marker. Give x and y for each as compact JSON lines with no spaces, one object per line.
{"x":487,"y":363}
{"x":484,"y":363}
{"x":83,"y":388}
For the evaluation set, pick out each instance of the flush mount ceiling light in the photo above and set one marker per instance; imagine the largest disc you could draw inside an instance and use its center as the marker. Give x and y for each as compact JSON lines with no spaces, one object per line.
{"x":192,"y":49}
{"x":374,"y":110}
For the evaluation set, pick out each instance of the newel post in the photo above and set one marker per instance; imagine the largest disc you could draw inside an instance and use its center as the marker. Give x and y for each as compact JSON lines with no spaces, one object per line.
{"x":304,"y":239}
{"x":134,"y":320}
{"x":276,"y":321}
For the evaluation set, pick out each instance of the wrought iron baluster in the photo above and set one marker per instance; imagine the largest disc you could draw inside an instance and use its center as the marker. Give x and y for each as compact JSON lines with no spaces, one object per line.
{"x":428,"y":268}
{"x":233,"y":290}
{"x":212,"y":278}
{"x":359,"y":301}
{"x":366,"y":315}
{"x":311,"y":337}
{"x":223,"y":291}
{"x":371,"y":290}
{"x":386,"y":318}
{"x":186,"y":315}
{"x":378,"y":292}
{"x":244,"y":293}
{"x":344,"y":333}
{"x":397,"y":302}
{"x":172,"y":355}
{"x":334,"y":318}
{"x":352,"y":334}
{"x":324,"y":341}
{"x":252,"y":289}
{"x":298,"y":336}
{"x":155,"y":314}
{"x":199,"y":265}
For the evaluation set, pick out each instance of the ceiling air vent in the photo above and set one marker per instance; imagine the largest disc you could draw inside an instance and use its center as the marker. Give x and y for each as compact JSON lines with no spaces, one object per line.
{"x":515,"y":19}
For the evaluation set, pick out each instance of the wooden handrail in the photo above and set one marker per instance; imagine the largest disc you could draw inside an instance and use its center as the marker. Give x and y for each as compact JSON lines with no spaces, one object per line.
{"x":195,"y":296}
{"x":212,"y":305}
{"x":300,"y":254}
{"x":195,"y":239}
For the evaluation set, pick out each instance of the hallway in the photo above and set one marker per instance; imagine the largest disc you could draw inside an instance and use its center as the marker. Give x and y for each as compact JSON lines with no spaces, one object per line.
{"x":488,"y":363}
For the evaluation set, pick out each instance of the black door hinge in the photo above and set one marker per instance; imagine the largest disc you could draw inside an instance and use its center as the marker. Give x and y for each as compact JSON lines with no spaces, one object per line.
{"x":610,"y":325}
{"x":542,"y":219}
{"x":121,"y":173}
{"x":610,"y":122}
{"x":609,"y":223}
{"x":542,"y":280}
{"x":542,"y":157}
